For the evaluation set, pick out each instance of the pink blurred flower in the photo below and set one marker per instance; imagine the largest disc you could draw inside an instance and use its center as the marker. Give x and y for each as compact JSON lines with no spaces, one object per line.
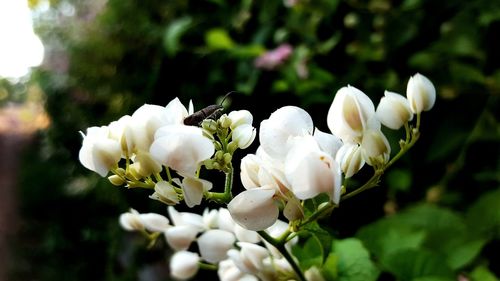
{"x":274,"y":58}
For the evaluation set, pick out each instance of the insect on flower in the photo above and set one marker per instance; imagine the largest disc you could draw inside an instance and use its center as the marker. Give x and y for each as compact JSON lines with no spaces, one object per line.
{"x":213,"y":111}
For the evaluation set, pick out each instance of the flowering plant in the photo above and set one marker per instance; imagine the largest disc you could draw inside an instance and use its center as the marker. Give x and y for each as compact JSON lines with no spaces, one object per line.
{"x":297,"y":175}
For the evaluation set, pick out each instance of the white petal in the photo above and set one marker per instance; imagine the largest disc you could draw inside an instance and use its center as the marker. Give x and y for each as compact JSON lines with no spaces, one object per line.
{"x":214,"y":244}
{"x":180,"y":237}
{"x":154,"y":222}
{"x":252,"y":256}
{"x":131,"y":221}
{"x":350,"y":159}
{"x":175,"y":112}
{"x":185,"y":218}
{"x":245,"y":235}
{"x":249,"y":169}
{"x":254,"y":209}
{"x":210,"y":218}
{"x":193,"y":191}
{"x":375,"y":145}
{"x":225,"y":221}
{"x":311,"y":171}
{"x":244,"y":135}
{"x":184,"y":265}
{"x":284,"y":123}
{"x":181,"y":148}
{"x":327,"y":142}
{"x":240,"y":117}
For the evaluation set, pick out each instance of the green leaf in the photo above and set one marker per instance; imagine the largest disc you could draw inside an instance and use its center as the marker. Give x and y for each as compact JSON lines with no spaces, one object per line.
{"x":399,"y":179}
{"x":464,"y":253}
{"x":354,"y":263}
{"x":483,"y":217}
{"x":247,"y":51}
{"x":173,"y":34}
{"x":219,"y":39}
{"x":482,"y":273}
{"x":413,"y":263}
{"x":310,"y":253}
{"x":329,"y":270}
{"x":388,"y":236}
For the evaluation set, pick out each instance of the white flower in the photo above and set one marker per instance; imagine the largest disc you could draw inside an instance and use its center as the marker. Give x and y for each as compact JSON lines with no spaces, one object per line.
{"x":311,"y":171}
{"x":185,"y":218}
{"x":214,"y":244}
{"x":210,"y":218}
{"x":184,"y":265}
{"x":394,"y":110}
{"x":240,"y":117}
{"x":256,"y":172}
{"x":193,"y":189}
{"x":181,"y":148}
{"x":244,"y":135}
{"x":350,"y":114}
{"x":249,"y":258}
{"x":350,"y":159}
{"x":154,"y":222}
{"x":420,"y":93}
{"x":99,"y":153}
{"x":375,"y":147}
{"x":254,"y":209}
{"x":131,"y":221}
{"x":284,"y":123}
{"x":180,"y":237}
{"x":165,"y":192}
{"x":140,"y":130}
{"x":228,"y":271}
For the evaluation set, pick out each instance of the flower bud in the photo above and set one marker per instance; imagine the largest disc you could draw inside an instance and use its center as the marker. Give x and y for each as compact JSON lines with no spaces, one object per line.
{"x":393,"y":110}
{"x":210,"y":125}
{"x":225,"y":121}
{"x":184,"y":265}
{"x":116,"y":180}
{"x":165,"y":193}
{"x":420,"y":93}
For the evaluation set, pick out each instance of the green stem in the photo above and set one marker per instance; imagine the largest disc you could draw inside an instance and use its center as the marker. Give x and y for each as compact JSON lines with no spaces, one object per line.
{"x":372,"y":182}
{"x":281,"y":248}
{"x":319,"y":213}
{"x":226,"y":196}
{"x":207,"y":266}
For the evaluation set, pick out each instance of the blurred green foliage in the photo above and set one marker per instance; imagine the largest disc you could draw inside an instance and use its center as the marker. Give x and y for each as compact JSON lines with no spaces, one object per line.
{"x":435,"y":216}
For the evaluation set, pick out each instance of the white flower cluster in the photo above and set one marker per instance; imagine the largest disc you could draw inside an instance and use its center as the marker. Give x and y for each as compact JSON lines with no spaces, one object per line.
{"x":296,"y":161}
{"x":154,"y":137}
{"x":240,"y":254}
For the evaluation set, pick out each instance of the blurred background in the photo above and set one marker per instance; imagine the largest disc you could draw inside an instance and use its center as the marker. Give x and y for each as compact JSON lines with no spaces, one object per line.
{"x":102,"y":59}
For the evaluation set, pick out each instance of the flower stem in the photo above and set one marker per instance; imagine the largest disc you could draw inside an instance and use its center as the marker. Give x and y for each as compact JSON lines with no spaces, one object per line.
{"x":281,"y":248}
{"x":226,"y":196}
{"x":207,"y":266}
